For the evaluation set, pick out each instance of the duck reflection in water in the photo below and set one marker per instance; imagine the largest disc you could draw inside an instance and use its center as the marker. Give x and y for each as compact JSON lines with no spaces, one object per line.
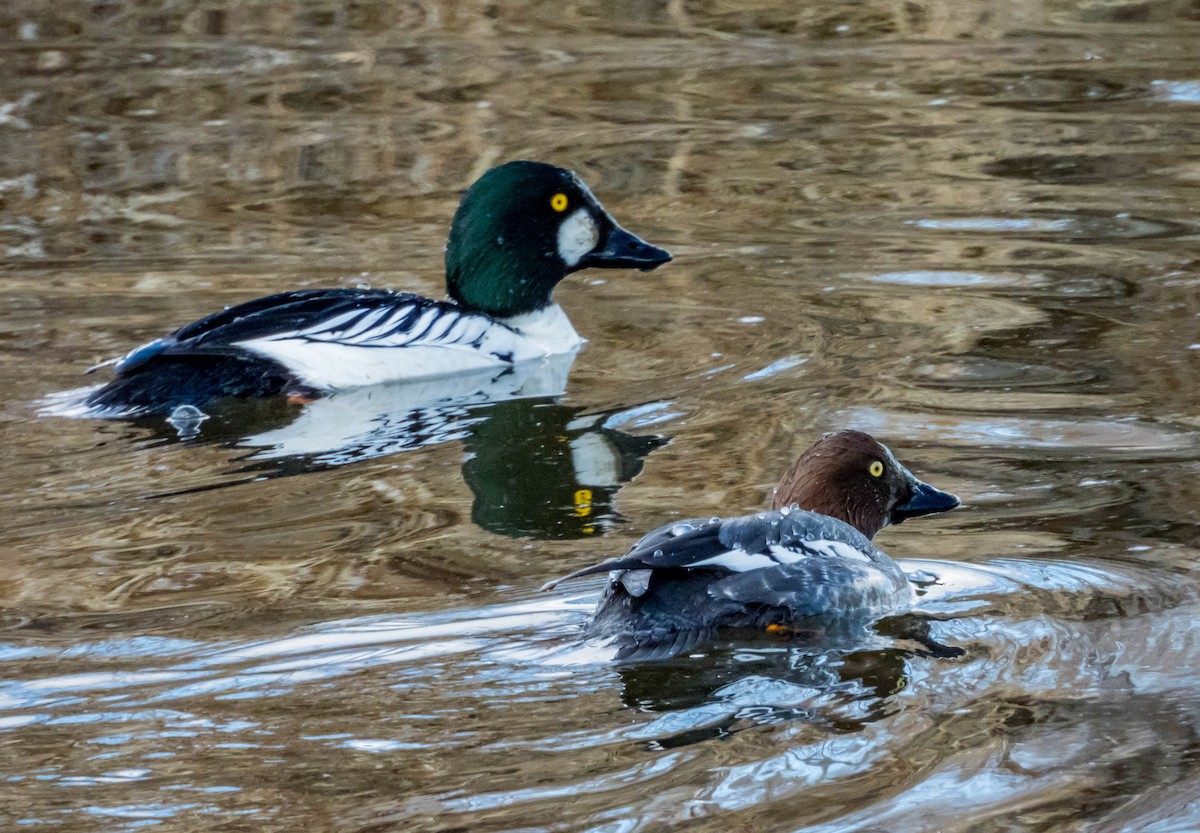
{"x":543,"y":470}
{"x":536,"y":468}
{"x":838,"y":679}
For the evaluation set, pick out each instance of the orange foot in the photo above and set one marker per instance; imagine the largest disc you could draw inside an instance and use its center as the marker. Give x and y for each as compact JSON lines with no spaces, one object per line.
{"x":792,"y":630}
{"x":300,"y":398}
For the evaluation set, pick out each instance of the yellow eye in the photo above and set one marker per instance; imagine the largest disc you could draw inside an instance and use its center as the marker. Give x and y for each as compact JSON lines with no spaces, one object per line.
{"x":876,"y":469}
{"x":559,"y":202}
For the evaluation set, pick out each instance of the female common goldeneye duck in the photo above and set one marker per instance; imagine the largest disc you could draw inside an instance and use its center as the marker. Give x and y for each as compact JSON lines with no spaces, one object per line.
{"x":811,"y":556}
{"x":520,"y":229}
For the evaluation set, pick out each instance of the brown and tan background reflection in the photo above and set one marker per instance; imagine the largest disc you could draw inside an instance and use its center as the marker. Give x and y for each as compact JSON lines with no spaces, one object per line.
{"x":970,"y":228}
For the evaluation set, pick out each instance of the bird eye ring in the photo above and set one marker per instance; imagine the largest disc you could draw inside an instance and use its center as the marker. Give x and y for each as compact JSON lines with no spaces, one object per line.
{"x":559,"y":202}
{"x":876,"y":469}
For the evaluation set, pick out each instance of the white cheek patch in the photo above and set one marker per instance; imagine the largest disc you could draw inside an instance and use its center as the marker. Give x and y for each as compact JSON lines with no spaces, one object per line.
{"x":577,"y":236}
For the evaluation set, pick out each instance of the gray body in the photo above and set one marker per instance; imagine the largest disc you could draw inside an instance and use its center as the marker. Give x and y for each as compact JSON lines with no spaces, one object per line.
{"x":684,"y":580}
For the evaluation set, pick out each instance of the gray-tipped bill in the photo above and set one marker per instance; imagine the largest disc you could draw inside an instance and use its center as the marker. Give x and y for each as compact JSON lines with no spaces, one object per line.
{"x":923,"y":500}
{"x":622,"y":250}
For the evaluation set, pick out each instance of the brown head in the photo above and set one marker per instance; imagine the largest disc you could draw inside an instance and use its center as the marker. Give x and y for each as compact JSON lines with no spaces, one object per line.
{"x":851,"y":476}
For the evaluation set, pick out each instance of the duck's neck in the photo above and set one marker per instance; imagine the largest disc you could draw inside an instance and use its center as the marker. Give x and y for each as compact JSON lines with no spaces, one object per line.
{"x":548,"y":326}
{"x":500,"y":274}
{"x":808,"y":490}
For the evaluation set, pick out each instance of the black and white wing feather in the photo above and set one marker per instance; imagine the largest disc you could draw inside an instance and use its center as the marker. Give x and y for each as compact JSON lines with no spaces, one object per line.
{"x":683,"y":581}
{"x":740,"y":545}
{"x":803,"y":561}
{"x":331,"y":338}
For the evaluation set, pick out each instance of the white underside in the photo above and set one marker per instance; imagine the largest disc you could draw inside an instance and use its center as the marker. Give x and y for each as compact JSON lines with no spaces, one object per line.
{"x":373,"y":421}
{"x":358,"y":359}
{"x":596,"y":462}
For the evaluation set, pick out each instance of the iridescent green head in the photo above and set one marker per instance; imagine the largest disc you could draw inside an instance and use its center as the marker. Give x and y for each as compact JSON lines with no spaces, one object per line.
{"x":522,"y":228}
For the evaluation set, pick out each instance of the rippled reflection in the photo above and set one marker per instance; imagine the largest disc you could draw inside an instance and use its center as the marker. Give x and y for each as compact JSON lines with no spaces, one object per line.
{"x":968,"y":228}
{"x":551,"y":471}
{"x":846,"y":704}
{"x":535,"y":467}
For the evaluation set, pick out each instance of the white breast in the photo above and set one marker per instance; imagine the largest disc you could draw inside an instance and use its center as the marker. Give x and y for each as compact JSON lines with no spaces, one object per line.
{"x":549,"y":328}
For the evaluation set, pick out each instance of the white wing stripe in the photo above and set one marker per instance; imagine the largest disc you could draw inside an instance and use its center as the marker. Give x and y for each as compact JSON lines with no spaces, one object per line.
{"x":452,"y":320}
{"x":363,"y":325}
{"x":836,"y":549}
{"x":399,"y":322}
{"x":739,"y":561}
{"x":420,"y":331}
{"x":393,"y":327}
{"x":785,"y":555}
{"x":322,"y":326}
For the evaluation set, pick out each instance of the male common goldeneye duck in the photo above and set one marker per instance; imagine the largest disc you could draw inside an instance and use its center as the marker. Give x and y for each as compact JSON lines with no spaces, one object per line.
{"x":811,"y":556}
{"x":520,"y":229}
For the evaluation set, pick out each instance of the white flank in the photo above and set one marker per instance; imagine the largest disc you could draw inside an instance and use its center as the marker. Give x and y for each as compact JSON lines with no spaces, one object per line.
{"x":332,"y":366}
{"x":439,"y":343}
{"x":577,"y":236}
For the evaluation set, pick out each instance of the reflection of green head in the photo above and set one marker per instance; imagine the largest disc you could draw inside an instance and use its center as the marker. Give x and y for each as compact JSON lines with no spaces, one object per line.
{"x":522,"y":228}
{"x":539,"y":469}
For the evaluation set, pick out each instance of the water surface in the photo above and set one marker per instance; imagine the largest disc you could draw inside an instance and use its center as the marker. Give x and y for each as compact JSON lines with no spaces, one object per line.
{"x":971,"y":229}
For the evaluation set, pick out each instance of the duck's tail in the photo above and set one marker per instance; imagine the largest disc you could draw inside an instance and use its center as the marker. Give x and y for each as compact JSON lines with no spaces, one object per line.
{"x":164,"y":383}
